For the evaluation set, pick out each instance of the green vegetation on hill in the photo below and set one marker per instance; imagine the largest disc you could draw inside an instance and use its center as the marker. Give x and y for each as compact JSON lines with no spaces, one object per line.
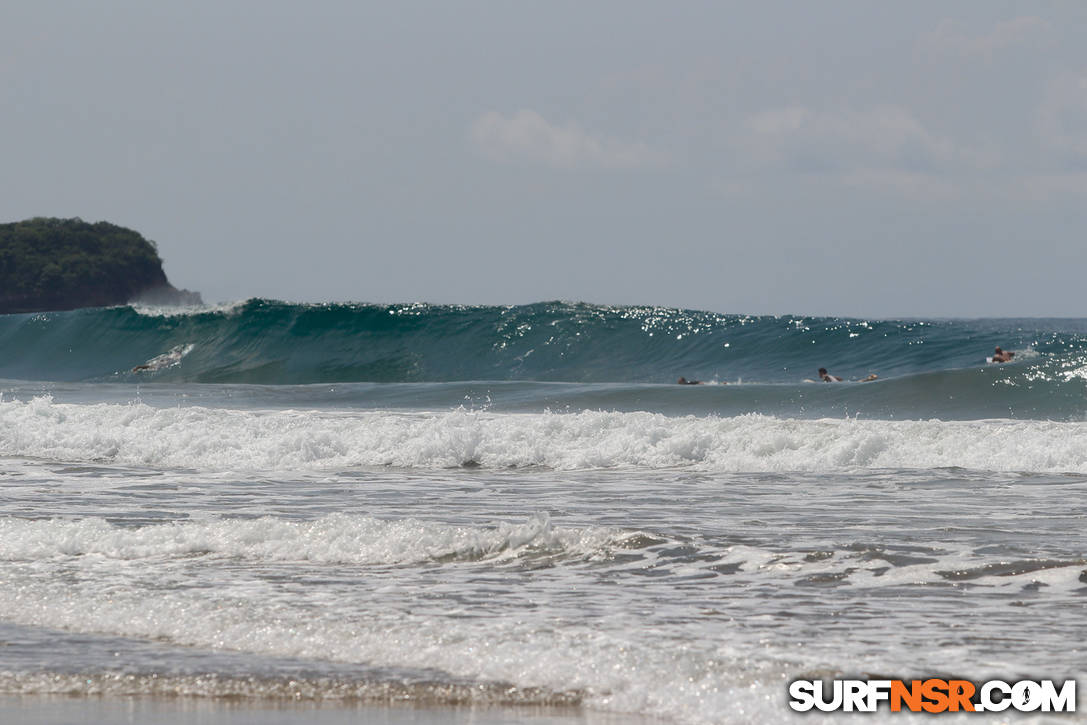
{"x":62,"y":264}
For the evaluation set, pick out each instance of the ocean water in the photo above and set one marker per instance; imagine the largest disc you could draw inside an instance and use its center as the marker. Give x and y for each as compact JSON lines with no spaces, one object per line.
{"x":518,"y":506}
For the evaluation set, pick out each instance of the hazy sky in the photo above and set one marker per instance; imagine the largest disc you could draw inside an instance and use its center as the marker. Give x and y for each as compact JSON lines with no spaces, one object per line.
{"x":850,"y":158}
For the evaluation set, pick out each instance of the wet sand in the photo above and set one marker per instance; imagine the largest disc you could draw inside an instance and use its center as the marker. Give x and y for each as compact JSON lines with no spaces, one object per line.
{"x":72,"y":710}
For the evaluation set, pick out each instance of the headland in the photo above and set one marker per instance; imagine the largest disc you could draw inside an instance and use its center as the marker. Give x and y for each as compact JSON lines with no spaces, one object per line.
{"x":63,"y":264}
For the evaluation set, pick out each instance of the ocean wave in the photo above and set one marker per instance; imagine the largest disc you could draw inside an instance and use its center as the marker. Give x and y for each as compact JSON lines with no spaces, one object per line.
{"x":271,"y":342}
{"x":148,"y":310}
{"x":351,"y":540}
{"x":333,"y":539}
{"x":228,"y":440}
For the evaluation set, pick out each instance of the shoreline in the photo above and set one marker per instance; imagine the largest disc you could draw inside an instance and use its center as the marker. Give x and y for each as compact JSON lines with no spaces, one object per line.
{"x":50,"y":709}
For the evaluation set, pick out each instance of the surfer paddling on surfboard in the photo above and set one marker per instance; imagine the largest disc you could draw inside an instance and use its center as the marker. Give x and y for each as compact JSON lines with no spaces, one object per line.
{"x":828,"y":378}
{"x":1000,"y":356}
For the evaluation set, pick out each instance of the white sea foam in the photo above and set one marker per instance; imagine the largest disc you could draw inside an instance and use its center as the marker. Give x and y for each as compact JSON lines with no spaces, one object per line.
{"x":609,"y":670}
{"x":355,"y":540}
{"x":180,"y":583}
{"x":225,"y":308}
{"x":166,"y":582}
{"x":218,"y":439}
{"x":334,"y":539}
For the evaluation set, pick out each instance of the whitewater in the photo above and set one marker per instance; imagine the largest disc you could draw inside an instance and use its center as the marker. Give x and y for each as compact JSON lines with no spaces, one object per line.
{"x":470,"y":508}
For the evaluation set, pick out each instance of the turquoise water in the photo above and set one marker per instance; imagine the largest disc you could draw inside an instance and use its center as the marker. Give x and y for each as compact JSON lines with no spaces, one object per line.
{"x":925,"y":368}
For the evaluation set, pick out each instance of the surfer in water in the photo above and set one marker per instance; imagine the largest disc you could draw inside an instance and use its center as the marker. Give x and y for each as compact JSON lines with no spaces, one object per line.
{"x":166,"y":359}
{"x":828,"y":378}
{"x":1000,"y":356}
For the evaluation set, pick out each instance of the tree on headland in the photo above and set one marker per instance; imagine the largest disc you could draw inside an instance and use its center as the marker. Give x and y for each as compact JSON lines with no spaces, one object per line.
{"x":62,"y":264}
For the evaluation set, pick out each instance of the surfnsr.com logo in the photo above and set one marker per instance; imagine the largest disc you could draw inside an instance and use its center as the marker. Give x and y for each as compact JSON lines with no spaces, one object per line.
{"x":932,"y":695}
